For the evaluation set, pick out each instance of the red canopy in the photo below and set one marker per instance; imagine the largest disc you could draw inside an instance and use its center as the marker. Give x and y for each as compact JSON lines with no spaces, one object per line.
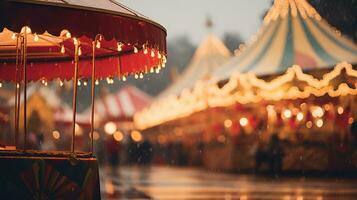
{"x":128,"y":42}
{"x":122,"y":104}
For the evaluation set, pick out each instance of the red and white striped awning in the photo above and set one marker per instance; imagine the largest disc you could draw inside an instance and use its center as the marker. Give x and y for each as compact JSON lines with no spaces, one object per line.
{"x":122,"y":104}
{"x":64,"y":115}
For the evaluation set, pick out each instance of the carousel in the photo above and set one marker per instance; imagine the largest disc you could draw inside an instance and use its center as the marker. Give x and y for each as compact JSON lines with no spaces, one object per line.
{"x":61,"y":42}
{"x":296,"y":79}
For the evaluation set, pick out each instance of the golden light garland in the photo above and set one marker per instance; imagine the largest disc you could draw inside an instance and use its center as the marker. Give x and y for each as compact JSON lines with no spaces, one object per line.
{"x":243,"y":89}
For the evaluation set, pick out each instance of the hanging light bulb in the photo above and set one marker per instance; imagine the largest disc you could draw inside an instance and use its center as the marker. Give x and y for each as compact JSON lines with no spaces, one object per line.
{"x":119,"y":46}
{"x":62,"y":49}
{"x":163,"y":65}
{"x":124,"y":78}
{"x":79,"y":83}
{"x":61,"y":83}
{"x":35,"y":37}
{"x":75,"y":41}
{"x":164,"y":60}
{"x":79,"y":51}
{"x":135,"y":50}
{"x":43,"y":81}
{"x":18,"y":86}
{"x":108,"y":80}
{"x":145,"y":50}
{"x":68,"y":34}
{"x":151,"y":70}
{"x":46,"y":83}
{"x":13,"y":36}
{"x":159,"y":55}
{"x":97,"y":82}
{"x":152,"y":53}
{"x":141,"y":75}
{"x":157,"y":70}
{"x":136,"y":76}
{"x":97,"y":45}
{"x":85,"y":83}
{"x":0,"y":84}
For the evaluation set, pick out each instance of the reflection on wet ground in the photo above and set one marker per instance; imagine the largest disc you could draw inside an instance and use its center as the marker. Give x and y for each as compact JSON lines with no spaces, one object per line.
{"x":190,"y":183}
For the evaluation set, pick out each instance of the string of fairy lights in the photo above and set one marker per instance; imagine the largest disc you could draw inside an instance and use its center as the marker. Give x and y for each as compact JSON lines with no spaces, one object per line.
{"x":66,"y":35}
{"x":244,"y":89}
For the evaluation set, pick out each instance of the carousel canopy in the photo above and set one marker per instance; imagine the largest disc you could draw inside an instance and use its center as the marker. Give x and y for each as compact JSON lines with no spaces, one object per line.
{"x":120,"y":105}
{"x":210,"y":55}
{"x":292,"y":33}
{"x":126,"y":42}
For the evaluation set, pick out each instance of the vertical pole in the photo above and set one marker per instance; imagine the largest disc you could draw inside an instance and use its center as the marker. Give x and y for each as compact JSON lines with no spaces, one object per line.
{"x":18,"y":97}
{"x":25,"y":85}
{"x":93,"y":96}
{"x":74,"y":98}
{"x":16,"y":91}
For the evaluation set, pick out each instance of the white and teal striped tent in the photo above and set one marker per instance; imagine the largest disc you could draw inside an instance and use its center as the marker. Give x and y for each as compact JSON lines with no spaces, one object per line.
{"x":292,"y":33}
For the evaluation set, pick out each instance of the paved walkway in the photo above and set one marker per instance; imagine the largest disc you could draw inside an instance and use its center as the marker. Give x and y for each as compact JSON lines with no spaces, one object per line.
{"x":189,"y":183}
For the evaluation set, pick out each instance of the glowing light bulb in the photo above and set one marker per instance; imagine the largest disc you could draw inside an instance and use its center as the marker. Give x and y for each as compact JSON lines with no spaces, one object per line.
{"x":85,"y":83}
{"x":152,"y":70}
{"x":145,"y":51}
{"x":136,"y":136}
{"x":68,"y":34}
{"x":136,"y":76}
{"x":157,"y":70}
{"x":118,"y":136}
{"x":62,"y":49}
{"x":61,"y":83}
{"x":46,"y":83}
{"x":124,"y":78}
{"x":164,"y":59}
{"x":287,"y":113}
{"x":163,"y":65}
{"x":135,"y":50}
{"x":309,"y":124}
{"x":318,"y":112}
{"x":79,"y":83}
{"x":17,"y":86}
{"x":152,"y":53}
{"x":340,"y":110}
{"x":119,"y":46}
{"x":0,"y":84}
{"x":243,"y":121}
{"x":141,"y":75}
{"x":35,"y":37}
{"x":75,"y":41}
{"x":56,"y":134}
{"x":300,"y":116}
{"x":97,"y":45}
{"x":227,"y":123}
{"x":110,"y":128}
{"x":13,"y":36}
{"x":97,"y":82}
{"x":319,"y":123}
{"x":159,"y":55}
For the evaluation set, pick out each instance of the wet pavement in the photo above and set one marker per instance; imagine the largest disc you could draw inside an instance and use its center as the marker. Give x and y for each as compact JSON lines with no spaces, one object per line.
{"x":190,"y":183}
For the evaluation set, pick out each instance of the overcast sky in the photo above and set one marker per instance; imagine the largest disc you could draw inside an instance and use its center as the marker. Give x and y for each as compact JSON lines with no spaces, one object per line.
{"x":188,"y":17}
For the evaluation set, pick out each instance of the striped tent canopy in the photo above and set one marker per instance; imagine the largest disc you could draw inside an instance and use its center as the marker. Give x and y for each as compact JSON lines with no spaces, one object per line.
{"x":293,"y":33}
{"x":210,"y":54}
{"x":121,"y":105}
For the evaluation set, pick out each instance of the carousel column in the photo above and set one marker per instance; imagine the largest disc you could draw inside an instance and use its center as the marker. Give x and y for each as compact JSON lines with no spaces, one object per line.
{"x":95,"y":44}
{"x":25,"y":85}
{"x":17,"y":88}
{"x":74,"y":98}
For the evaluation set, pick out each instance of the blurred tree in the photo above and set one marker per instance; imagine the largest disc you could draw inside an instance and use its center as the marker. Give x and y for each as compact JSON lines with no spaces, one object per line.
{"x":232,"y":40}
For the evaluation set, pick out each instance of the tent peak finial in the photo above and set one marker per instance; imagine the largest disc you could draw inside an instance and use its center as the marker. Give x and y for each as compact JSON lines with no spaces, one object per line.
{"x":283,"y":8}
